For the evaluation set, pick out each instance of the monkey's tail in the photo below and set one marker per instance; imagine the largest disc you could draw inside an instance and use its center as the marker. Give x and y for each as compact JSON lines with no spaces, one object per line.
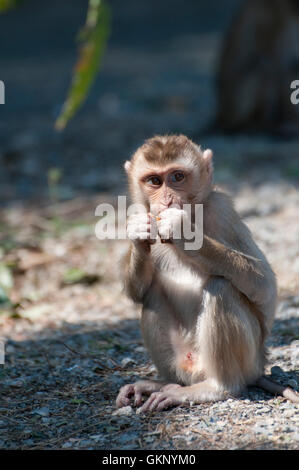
{"x":277,"y":389}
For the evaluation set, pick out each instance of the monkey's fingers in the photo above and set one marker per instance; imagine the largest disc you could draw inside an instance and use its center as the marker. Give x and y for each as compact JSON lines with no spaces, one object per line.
{"x":123,"y":398}
{"x":160,"y":401}
{"x":138,"y":397}
{"x":146,"y":406}
{"x":163,"y":240}
{"x":167,"y":402}
{"x":127,"y":392}
{"x":135,"y":233}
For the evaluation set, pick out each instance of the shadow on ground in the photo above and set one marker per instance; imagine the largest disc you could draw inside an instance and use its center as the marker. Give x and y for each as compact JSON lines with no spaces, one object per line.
{"x":60,"y":390}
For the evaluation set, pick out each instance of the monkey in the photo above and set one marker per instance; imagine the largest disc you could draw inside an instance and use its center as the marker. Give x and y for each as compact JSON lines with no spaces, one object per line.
{"x":206,"y":312}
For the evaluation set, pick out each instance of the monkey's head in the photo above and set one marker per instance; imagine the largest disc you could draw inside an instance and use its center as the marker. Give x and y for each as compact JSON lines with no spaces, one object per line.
{"x":169,"y":171}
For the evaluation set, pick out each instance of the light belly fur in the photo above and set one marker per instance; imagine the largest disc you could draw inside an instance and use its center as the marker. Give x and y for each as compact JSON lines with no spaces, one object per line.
{"x":184,"y":287}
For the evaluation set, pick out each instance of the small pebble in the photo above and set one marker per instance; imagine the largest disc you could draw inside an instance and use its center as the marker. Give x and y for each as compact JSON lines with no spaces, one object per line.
{"x":289,"y":413}
{"x":125,"y":410}
{"x":276,"y":370}
{"x":127,"y":360}
{"x":293,"y":383}
{"x":41,"y":411}
{"x":67,"y":445}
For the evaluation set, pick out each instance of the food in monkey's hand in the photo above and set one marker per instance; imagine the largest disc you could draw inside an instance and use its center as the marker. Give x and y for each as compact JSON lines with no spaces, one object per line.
{"x":163,"y":240}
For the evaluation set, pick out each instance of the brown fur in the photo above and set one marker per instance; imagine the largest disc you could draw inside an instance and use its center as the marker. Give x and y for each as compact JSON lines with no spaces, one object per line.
{"x":166,"y":149}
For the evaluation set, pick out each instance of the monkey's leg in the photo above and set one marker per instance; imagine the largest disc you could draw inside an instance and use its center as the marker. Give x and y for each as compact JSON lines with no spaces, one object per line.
{"x":230,"y":350}
{"x":142,"y":387}
{"x":230,"y":337}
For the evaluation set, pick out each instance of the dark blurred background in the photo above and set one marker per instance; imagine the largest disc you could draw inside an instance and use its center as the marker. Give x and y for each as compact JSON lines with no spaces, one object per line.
{"x":219,"y":72}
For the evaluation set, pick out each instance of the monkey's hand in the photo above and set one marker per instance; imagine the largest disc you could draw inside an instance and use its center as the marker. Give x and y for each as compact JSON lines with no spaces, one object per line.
{"x":136,"y":391}
{"x":142,"y":229}
{"x":170,"y":224}
{"x":170,"y":395}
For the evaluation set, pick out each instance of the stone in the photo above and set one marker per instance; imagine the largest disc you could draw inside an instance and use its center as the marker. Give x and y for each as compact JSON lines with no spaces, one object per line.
{"x":124,"y":411}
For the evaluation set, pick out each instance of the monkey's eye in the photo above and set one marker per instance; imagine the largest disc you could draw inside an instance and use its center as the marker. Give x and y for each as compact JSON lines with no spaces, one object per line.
{"x":154,"y":180}
{"x":177,"y":177}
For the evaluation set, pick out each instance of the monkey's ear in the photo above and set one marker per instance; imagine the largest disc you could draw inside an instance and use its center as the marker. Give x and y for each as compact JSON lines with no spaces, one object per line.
{"x":208,"y":157}
{"x":127,"y":166}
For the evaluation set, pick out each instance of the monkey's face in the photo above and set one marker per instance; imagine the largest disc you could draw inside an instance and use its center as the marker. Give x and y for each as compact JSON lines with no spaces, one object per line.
{"x":168,"y":187}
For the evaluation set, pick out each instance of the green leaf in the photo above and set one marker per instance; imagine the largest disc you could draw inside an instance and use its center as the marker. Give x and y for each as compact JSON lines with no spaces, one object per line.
{"x":6,"y":284}
{"x":79,"y":401}
{"x":6,"y":279}
{"x":54,"y":176}
{"x":4,"y":299}
{"x":76,"y":275}
{"x":73,"y":275}
{"x":93,"y":38}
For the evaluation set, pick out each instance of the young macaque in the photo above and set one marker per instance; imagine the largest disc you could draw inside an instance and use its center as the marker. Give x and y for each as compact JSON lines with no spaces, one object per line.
{"x":206,"y":311}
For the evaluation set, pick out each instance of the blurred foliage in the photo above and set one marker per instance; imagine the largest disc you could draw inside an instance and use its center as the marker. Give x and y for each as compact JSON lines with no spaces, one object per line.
{"x":54,"y":177}
{"x":76,"y":275}
{"x":92,"y":38}
{"x":6,"y":284}
{"x":8,"y":4}
{"x":6,"y":279}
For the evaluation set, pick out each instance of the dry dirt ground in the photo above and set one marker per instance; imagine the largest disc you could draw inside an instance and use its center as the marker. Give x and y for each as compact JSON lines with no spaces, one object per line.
{"x":72,"y":337}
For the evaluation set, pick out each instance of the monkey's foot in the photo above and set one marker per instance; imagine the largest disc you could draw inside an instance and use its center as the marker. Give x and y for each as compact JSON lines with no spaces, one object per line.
{"x":136,"y":391}
{"x":169,"y":395}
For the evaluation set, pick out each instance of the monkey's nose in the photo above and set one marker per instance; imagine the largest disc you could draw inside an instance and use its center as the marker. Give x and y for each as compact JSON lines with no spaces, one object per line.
{"x":165,"y":205}
{"x":168,"y":204}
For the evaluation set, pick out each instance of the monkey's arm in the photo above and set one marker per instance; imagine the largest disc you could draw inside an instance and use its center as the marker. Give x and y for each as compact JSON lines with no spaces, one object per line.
{"x":251,"y":276}
{"x":138,"y":272}
{"x":137,"y":265}
{"x":227,"y":250}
